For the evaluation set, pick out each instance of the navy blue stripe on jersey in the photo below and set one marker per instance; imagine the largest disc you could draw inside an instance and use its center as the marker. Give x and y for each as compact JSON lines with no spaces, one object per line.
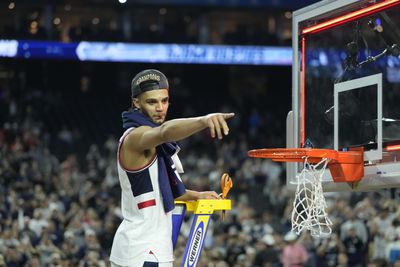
{"x":140,"y":182}
{"x":150,"y":264}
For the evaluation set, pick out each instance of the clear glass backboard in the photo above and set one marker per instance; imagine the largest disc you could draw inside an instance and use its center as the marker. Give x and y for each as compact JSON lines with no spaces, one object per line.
{"x":346,"y":87}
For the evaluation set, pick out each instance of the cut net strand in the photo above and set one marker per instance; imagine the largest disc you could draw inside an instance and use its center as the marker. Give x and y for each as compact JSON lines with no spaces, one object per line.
{"x":309,"y":203}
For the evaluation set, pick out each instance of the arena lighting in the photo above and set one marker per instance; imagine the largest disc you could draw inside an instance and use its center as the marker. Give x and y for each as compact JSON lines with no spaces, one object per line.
{"x":122,"y":1}
{"x":149,"y":53}
{"x":351,"y":16}
{"x":393,"y":148}
{"x":11,"y":5}
{"x":8,"y":48}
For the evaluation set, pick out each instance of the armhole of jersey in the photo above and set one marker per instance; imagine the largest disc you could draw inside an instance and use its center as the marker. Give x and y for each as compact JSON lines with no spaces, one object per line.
{"x":119,"y":155}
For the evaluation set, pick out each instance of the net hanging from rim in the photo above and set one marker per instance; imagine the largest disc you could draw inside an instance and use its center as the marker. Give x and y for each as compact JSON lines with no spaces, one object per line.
{"x":309,"y":205}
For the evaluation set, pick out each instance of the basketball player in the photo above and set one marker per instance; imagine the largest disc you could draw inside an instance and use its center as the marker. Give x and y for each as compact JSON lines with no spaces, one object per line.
{"x":148,"y":169}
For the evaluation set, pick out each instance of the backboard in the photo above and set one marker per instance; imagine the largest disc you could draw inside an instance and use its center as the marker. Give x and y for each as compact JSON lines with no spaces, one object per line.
{"x":346,"y":87}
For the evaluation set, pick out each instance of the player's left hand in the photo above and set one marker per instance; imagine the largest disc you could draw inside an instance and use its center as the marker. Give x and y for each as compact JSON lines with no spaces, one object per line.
{"x":209,"y":195}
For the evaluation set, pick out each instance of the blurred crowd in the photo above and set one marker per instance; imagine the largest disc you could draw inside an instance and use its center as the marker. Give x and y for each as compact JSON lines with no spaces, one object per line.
{"x":76,"y":22}
{"x":60,"y":194}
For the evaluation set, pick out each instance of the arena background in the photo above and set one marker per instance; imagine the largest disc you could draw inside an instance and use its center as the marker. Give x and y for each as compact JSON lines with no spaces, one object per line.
{"x":60,"y":122}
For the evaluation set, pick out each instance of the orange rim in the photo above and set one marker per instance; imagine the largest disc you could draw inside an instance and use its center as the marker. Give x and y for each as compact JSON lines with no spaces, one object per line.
{"x":344,"y":166}
{"x":312,"y":155}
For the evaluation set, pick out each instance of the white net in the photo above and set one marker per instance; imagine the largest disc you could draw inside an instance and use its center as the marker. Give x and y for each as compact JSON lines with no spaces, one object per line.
{"x":309,"y":203}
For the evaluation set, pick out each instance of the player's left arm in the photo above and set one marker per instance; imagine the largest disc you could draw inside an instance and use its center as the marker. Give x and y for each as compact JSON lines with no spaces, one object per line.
{"x":195,"y":195}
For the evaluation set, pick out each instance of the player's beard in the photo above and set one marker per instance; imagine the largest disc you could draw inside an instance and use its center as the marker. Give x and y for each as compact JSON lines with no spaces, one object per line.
{"x":159,"y":122}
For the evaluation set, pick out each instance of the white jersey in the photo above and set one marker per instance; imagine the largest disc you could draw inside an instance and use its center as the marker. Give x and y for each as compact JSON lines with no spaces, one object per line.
{"x":145,"y":228}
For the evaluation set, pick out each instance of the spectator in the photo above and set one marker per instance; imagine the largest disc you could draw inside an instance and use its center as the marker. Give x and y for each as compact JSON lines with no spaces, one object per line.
{"x":294,"y":253}
{"x":353,"y":222}
{"x":393,"y":250}
{"x":330,"y":250}
{"x":354,"y":248}
{"x":267,"y":255}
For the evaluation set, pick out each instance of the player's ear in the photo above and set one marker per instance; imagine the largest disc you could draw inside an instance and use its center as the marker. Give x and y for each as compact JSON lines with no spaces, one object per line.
{"x":135,"y":102}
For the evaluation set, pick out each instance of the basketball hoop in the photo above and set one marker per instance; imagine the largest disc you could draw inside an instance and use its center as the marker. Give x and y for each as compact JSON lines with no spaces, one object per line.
{"x":309,"y":206}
